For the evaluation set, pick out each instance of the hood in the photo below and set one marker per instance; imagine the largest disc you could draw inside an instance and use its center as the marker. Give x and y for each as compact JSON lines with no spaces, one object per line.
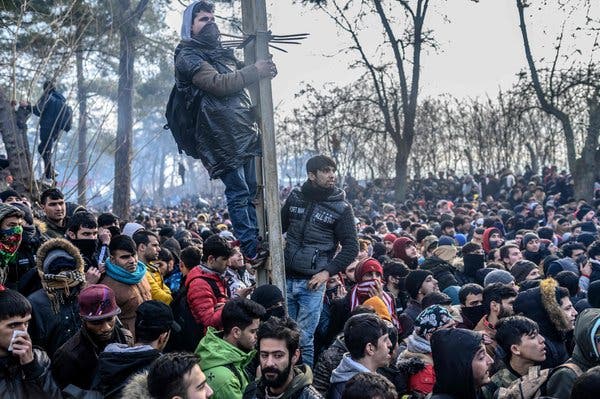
{"x":347,"y":369}
{"x":137,"y":387}
{"x":186,"y":24}
{"x":486,"y":238}
{"x":213,"y":351}
{"x":540,"y":305}
{"x":453,"y":351}
{"x":118,"y":362}
{"x":303,"y":377}
{"x":58,"y":243}
{"x":586,"y":328}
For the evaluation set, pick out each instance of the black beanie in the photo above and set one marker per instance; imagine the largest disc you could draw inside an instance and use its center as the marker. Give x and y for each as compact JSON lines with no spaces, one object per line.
{"x":521,"y":269}
{"x":414,"y":280}
{"x":582,"y":211}
{"x":593,"y":294}
{"x":267,"y":295}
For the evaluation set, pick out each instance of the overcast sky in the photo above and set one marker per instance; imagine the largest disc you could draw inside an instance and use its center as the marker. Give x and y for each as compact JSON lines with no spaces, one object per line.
{"x":480,"y":47}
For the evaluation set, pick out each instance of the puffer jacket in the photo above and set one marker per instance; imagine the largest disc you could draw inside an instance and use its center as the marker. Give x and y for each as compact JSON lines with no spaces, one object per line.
{"x":158,"y":289}
{"x":585,"y":355}
{"x":328,"y":361}
{"x":316,"y":221}
{"x":30,"y":381}
{"x":201,"y":297}
{"x":223,"y":364}
{"x":299,"y":388}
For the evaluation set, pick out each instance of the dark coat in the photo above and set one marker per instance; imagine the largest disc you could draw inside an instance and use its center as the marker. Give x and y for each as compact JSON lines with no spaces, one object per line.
{"x":299,"y":388}
{"x":50,"y":108}
{"x":32,"y":380}
{"x":327,"y":362}
{"x":77,"y":360}
{"x":442,"y":271}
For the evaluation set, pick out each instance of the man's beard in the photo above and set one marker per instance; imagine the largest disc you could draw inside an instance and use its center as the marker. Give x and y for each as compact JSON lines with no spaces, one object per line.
{"x":281,"y":378}
{"x":504,"y":313}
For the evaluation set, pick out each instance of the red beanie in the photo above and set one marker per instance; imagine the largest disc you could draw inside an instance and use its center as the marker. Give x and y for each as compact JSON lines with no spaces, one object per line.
{"x":366,"y":266}
{"x":389,"y":237}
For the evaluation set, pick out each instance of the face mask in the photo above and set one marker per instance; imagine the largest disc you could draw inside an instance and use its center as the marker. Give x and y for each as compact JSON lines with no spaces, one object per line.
{"x":86,"y":247}
{"x":474,"y":313}
{"x":473,"y":262}
{"x":10,"y":239}
{"x":209,"y":36}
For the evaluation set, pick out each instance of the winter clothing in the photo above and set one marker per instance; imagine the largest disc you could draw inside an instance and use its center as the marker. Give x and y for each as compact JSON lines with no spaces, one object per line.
{"x":521,"y":270}
{"x":413,"y":283}
{"x":223,"y":364}
{"x":347,"y":369}
{"x":317,"y":220}
{"x":32,"y":380}
{"x":124,"y":276}
{"x":498,"y":276}
{"x":137,"y":387}
{"x":54,"y":230}
{"x":501,"y":379}
{"x":487,"y":246}
{"x":118,"y":363}
{"x":399,"y":251}
{"x":201,"y":297}
{"x":299,"y":388}
{"x":327,"y":362}
{"x":419,"y":372}
{"x":560,"y":265}
{"x":442,"y":271}
{"x":76,"y":361}
{"x":158,"y":289}
{"x":453,"y":351}
{"x":585,"y":355}
{"x":486,"y":327}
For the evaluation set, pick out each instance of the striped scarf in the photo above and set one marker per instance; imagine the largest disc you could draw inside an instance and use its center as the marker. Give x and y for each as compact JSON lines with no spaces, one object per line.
{"x":360,"y":293}
{"x":58,"y":287}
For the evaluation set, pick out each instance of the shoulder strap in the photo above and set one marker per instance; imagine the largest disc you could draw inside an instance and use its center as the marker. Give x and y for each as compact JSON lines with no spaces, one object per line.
{"x":575,"y":368}
{"x":213,"y":285}
{"x":235,"y":372}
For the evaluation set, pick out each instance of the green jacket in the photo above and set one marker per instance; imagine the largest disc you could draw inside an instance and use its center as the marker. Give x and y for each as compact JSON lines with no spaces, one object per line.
{"x":223,"y":364}
{"x":585,"y":355}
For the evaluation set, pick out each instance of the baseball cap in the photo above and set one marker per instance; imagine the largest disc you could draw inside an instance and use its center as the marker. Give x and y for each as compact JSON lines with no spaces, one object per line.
{"x":97,"y":302}
{"x":156,"y":316}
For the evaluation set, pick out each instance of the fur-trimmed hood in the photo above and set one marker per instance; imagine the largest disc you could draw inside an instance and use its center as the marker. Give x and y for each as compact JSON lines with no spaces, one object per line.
{"x":137,"y":387}
{"x":58,"y":243}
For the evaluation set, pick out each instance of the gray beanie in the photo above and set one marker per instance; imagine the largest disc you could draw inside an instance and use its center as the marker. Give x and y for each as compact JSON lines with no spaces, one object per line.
{"x":498,"y":276}
{"x":57,"y":260}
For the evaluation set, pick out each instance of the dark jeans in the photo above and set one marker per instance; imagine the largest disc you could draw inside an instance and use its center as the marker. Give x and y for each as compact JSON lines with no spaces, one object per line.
{"x":240,"y":190}
{"x":45,"y":149}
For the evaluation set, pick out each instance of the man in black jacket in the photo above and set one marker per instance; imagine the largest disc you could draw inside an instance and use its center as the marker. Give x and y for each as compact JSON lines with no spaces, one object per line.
{"x":213,"y":119}
{"x":317,"y":219}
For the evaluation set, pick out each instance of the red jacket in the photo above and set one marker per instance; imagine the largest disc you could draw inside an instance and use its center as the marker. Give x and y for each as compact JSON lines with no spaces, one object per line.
{"x":202,"y":299}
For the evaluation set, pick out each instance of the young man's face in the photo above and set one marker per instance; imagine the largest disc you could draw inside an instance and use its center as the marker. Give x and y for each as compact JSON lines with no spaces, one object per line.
{"x":389,"y":246}
{"x":84,"y":233}
{"x":10,"y":222}
{"x":150,"y":250}
{"x":495,"y":240}
{"x":6,"y":330}
{"x":324,"y":178}
{"x":125,"y":260}
{"x":568,"y":310}
{"x":102,"y":330}
{"x":481,"y":367}
{"x":531,"y":348}
{"x":350,"y":270}
{"x":382,"y":352}
{"x":12,"y":200}
{"x":197,"y":387}
{"x":411,"y":251}
{"x":275,"y":361}
{"x":55,"y":209}
{"x":247,"y":336}
{"x":533,"y":245}
{"x":514,"y":255}
{"x":429,"y":285}
{"x":473,"y":300}
{"x":201,"y":19}
{"x":533,"y":275}
{"x":218,"y":264}
{"x":506,"y":307}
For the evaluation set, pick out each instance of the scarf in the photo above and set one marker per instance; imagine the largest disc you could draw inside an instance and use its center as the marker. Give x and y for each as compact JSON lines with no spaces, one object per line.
{"x":10,"y":239}
{"x":58,"y":286}
{"x":360,"y":293}
{"x":418,"y":344}
{"x":123,"y":276}
{"x":315,"y":193}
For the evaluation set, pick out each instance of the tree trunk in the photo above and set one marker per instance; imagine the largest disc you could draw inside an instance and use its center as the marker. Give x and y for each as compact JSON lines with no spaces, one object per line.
{"x":18,"y":156}
{"x":82,"y":161}
{"x":401,"y":165}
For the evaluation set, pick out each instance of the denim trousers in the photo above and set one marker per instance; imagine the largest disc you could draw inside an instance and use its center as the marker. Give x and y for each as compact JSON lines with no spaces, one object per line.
{"x":240,"y":191}
{"x":305,"y":305}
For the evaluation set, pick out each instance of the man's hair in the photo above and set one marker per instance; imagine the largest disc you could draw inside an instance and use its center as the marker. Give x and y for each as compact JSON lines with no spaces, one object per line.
{"x":479,"y":230}
{"x":13,"y":304}
{"x":123,"y":243}
{"x":284,"y":329}
{"x":369,"y":385}
{"x":459,"y":220}
{"x":191,"y":256}
{"x":510,"y":331}
{"x":468,"y":289}
{"x":167,"y":375}
{"x":568,"y":248}
{"x":496,"y":293}
{"x":143,"y":237}
{"x":504,"y":250}
{"x":319,"y":162}
{"x":203,"y":6}
{"x":165,"y":255}
{"x":52,"y":193}
{"x":587,"y":385}
{"x":361,"y":330}
{"x":83,"y":219}
{"x":240,"y":312}
{"x":394,"y":268}
{"x":594,"y":249}
{"x":216,"y":246}
{"x":470,"y":248}
{"x":445,"y":224}
{"x":106,"y":219}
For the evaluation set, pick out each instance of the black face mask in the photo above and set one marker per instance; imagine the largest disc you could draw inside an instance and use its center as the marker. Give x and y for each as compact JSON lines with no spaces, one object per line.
{"x":86,"y":247}
{"x":474,"y":313}
{"x":209,"y":36}
{"x":473,"y":262}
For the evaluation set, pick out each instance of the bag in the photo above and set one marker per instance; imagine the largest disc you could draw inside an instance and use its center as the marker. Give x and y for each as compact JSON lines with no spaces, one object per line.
{"x":181,"y":122}
{"x":533,"y":385}
{"x":191,"y":331}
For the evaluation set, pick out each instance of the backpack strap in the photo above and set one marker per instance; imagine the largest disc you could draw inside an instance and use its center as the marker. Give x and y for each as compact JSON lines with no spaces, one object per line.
{"x":573,"y":367}
{"x":215,"y":288}
{"x":235,"y":372}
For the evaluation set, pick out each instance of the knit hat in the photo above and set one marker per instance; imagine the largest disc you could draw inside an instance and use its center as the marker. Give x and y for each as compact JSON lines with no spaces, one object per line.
{"x":432,"y":318}
{"x":586,"y":239}
{"x":588,"y":227}
{"x":57,"y":260}
{"x":27,"y":214}
{"x":528,"y":237}
{"x":389,"y":237}
{"x":4,"y":195}
{"x":379,"y":307}
{"x":446,"y":240}
{"x":97,"y":302}
{"x":7,"y":210}
{"x":460,"y":238}
{"x":414,"y":280}
{"x":131,"y":228}
{"x":521,"y":270}
{"x":172,"y":245}
{"x":267,"y":295}
{"x":582,"y":211}
{"x":366,"y":266}
{"x":498,"y":276}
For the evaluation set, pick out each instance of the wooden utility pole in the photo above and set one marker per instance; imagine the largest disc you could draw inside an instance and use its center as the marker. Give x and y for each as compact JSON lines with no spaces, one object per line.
{"x":254,"y":20}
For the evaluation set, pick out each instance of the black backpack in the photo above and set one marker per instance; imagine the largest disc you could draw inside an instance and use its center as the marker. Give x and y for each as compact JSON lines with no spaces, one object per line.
{"x":191,"y":331}
{"x":181,"y":121}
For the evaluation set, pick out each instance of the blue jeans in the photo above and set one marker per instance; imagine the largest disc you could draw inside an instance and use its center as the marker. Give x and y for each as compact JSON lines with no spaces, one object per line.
{"x":240,"y":191}
{"x":305,"y":305}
